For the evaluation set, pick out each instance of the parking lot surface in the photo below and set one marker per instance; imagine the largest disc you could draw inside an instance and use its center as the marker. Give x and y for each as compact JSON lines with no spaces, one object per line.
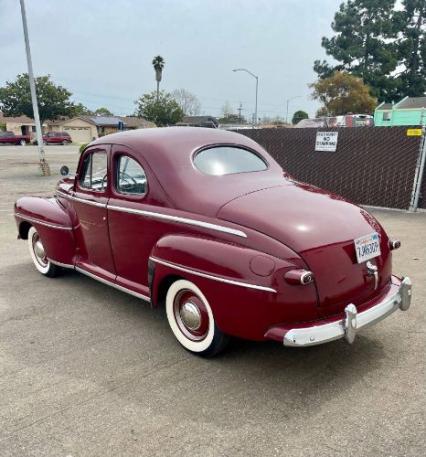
{"x":86,"y":370}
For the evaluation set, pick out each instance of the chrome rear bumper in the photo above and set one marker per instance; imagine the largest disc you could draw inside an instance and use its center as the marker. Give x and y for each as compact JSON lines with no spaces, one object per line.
{"x":353,"y":322}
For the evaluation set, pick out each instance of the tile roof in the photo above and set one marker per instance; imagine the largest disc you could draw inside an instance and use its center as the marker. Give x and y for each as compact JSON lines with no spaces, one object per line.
{"x":412,"y":102}
{"x":18,"y":119}
{"x":385,"y":106}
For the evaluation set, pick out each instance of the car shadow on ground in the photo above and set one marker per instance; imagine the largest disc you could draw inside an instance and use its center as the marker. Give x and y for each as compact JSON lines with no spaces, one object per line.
{"x":307,"y":377}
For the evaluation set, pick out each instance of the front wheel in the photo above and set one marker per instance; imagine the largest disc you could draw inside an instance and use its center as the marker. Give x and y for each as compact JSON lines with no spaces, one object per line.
{"x":38,"y":255}
{"x":191,"y":320}
{"x":23,"y":143}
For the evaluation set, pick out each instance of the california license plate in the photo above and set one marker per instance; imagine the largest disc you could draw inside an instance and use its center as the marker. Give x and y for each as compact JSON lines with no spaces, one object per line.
{"x":367,"y":247}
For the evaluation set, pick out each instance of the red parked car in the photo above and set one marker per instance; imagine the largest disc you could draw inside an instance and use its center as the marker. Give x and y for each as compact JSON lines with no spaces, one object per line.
{"x":11,"y":138}
{"x":206,"y":222}
{"x":57,"y":138}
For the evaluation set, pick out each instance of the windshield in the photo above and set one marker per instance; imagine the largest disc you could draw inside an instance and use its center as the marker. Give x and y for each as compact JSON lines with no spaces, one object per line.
{"x":225,"y":160}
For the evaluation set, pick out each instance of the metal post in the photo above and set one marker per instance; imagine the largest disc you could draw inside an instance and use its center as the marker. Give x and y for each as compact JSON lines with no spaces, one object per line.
{"x":43,"y":162}
{"x":286,"y":113}
{"x":255,"y":107}
{"x":420,"y":171}
{"x":288,"y":101}
{"x":257,"y":87}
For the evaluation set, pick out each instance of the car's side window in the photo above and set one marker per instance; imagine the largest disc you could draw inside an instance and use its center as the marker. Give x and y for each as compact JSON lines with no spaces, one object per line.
{"x":94,"y":175}
{"x":130,"y":177}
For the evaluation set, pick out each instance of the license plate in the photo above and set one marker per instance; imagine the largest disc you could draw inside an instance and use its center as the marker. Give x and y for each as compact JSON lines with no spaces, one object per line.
{"x":367,"y":247}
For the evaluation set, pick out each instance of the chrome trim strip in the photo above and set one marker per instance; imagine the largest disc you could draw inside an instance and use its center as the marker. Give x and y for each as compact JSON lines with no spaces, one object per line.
{"x":214,"y":278}
{"x":62,"y":194}
{"x":178,"y":219}
{"x":60,"y":264}
{"x":112,"y":284}
{"x":81,"y":200}
{"x":38,"y":221}
{"x":319,"y":334}
{"x":181,"y":220}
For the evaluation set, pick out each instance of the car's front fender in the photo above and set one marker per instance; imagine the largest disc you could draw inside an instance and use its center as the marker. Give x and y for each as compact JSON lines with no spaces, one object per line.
{"x":53,"y":224}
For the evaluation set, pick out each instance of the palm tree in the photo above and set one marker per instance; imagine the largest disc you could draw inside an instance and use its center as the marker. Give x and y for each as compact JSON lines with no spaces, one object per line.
{"x":158,"y":64}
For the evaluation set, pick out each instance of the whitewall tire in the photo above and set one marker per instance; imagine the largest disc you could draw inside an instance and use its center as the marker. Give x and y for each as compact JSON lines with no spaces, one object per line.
{"x":191,"y":319}
{"x":38,"y":255}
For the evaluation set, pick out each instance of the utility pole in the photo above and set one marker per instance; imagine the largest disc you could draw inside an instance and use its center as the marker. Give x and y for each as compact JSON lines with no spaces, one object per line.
{"x":45,"y":169}
{"x":288,"y":101}
{"x":239,"y":111}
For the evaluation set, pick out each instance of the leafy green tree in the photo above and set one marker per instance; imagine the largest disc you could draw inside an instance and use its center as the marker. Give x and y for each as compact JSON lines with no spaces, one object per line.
{"x":343,"y":93}
{"x":298,"y":116}
{"x":411,"y":48}
{"x":78,"y":109}
{"x":158,"y":64}
{"x":102,"y":112}
{"x":53,"y":100}
{"x":162,"y":111}
{"x":364,"y":44}
{"x":231,"y":118}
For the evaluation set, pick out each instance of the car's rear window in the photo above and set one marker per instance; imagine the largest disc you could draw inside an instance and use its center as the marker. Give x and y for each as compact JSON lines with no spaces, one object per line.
{"x":225,"y":160}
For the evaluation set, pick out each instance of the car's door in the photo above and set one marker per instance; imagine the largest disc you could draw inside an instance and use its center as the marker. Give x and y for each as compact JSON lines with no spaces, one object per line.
{"x":132,"y":233}
{"x":90,"y":200}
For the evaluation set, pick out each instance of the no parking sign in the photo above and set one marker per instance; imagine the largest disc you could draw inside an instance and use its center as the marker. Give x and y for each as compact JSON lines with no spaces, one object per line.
{"x":326,"y":141}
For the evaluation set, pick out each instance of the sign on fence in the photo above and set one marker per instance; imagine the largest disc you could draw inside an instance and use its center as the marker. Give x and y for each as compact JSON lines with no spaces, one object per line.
{"x":414,"y":132}
{"x":326,"y":141}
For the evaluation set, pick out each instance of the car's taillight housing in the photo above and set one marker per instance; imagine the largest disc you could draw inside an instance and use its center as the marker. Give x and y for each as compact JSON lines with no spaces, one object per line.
{"x":394,"y":244}
{"x":299,"y":277}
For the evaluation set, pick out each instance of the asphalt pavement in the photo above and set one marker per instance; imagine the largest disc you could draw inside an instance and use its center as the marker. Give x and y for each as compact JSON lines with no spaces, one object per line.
{"x":86,"y":370}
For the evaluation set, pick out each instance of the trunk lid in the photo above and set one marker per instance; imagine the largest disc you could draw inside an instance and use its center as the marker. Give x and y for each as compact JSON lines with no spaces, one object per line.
{"x":321,"y":227}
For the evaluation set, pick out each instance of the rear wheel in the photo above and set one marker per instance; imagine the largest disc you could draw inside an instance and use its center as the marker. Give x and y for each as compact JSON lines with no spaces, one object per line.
{"x":38,"y":255}
{"x":23,"y":143}
{"x":191,"y":320}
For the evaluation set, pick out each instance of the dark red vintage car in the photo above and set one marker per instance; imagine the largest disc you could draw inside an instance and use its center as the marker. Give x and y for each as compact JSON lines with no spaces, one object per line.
{"x":208,"y":223}
{"x":11,"y":138}
{"x":56,"y":138}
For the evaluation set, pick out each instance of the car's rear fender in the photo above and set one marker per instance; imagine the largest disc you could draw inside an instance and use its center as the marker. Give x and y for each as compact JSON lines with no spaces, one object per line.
{"x":245,"y":288}
{"x":53,"y":224}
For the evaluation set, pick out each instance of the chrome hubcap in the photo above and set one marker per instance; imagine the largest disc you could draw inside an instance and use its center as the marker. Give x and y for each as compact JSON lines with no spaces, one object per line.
{"x":39,"y":251}
{"x":190,"y":315}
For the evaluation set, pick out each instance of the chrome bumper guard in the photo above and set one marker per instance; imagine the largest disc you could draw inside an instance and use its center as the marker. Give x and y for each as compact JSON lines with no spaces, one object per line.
{"x":353,"y":322}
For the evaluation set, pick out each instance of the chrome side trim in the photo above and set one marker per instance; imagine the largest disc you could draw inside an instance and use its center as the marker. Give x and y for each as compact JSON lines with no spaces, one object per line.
{"x":60,"y":264}
{"x":353,"y":321}
{"x":81,"y":200}
{"x":180,"y":220}
{"x":38,"y":221}
{"x":112,"y":284}
{"x":213,"y":277}
{"x":62,"y":194}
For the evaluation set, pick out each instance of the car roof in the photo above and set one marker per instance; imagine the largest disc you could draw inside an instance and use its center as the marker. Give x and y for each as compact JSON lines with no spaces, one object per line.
{"x":169,"y":150}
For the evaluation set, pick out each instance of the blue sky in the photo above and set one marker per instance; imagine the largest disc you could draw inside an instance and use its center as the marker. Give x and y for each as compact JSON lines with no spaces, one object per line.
{"x":102,"y":50}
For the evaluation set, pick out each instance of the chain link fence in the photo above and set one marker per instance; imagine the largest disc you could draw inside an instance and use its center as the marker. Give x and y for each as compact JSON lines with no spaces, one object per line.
{"x":371,"y":165}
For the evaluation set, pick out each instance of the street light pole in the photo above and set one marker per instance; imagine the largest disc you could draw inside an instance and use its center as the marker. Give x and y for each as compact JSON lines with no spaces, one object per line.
{"x":257,"y":88}
{"x":43,"y":162}
{"x":288,"y":101}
